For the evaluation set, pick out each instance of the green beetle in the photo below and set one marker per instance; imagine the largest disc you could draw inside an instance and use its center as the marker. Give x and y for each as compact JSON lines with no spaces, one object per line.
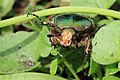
{"x":71,"y":29}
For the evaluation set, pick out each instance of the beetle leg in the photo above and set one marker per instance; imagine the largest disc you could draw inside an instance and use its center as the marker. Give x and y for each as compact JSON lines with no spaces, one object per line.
{"x":75,"y":41}
{"x":54,"y":26}
{"x":87,"y":42}
{"x":87,"y":49}
{"x":85,"y":59}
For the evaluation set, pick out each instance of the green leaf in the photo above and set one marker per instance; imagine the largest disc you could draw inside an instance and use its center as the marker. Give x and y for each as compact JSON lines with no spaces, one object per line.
{"x":96,"y":78}
{"x":54,"y":51}
{"x":110,"y":78}
{"x":93,"y":3}
{"x":75,"y":57}
{"x":94,"y":67}
{"x":111,"y":69}
{"x":18,"y":52}
{"x":106,"y":44}
{"x":53,"y":67}
{"x":44,"y":43}
{"x":119,"y":66}
{"x":30,"y":76}
{"x":30,"y":26}
{"x":104,"y":22}
{"x":6,"y":30}
{"x":5,"y":6}
{"x":118,"y":1}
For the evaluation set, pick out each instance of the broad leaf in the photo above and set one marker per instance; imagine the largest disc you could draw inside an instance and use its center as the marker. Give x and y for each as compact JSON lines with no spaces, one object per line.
{"x":110,"y":78}
{"x":111,"y":69}
{"x":6,"y":30}
{"x":53,"y":67}
{"x":43,"y":43}
{"x":5,"y":6}
{"x":30,"y":76}
{"x":75,"y":57}
{"x":94,"y":67}
{"x":119,"y":66}
{"x":93,"y":3}
{"x":106,"y":44}
{"x":18,"y":52}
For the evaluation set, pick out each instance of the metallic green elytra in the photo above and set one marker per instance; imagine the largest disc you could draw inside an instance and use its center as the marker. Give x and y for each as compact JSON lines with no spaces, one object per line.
{"x":80,"y":22}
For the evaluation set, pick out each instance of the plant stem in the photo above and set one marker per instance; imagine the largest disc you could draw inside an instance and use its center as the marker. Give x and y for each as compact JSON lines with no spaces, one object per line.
{"x":58,"y":10}
{"x":71,"y":70}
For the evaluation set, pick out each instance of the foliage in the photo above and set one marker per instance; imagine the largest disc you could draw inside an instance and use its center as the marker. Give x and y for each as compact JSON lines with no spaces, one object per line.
{"x":5,"y":6}
{"x":30,"y":76}
{"x":29,"y":54}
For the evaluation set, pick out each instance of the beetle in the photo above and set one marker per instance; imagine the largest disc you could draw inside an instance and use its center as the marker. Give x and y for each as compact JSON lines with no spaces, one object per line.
{"x":71,"y":30}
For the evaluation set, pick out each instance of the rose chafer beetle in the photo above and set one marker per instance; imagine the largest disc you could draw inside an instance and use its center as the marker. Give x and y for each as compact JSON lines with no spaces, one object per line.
{"x":71,"y":29}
